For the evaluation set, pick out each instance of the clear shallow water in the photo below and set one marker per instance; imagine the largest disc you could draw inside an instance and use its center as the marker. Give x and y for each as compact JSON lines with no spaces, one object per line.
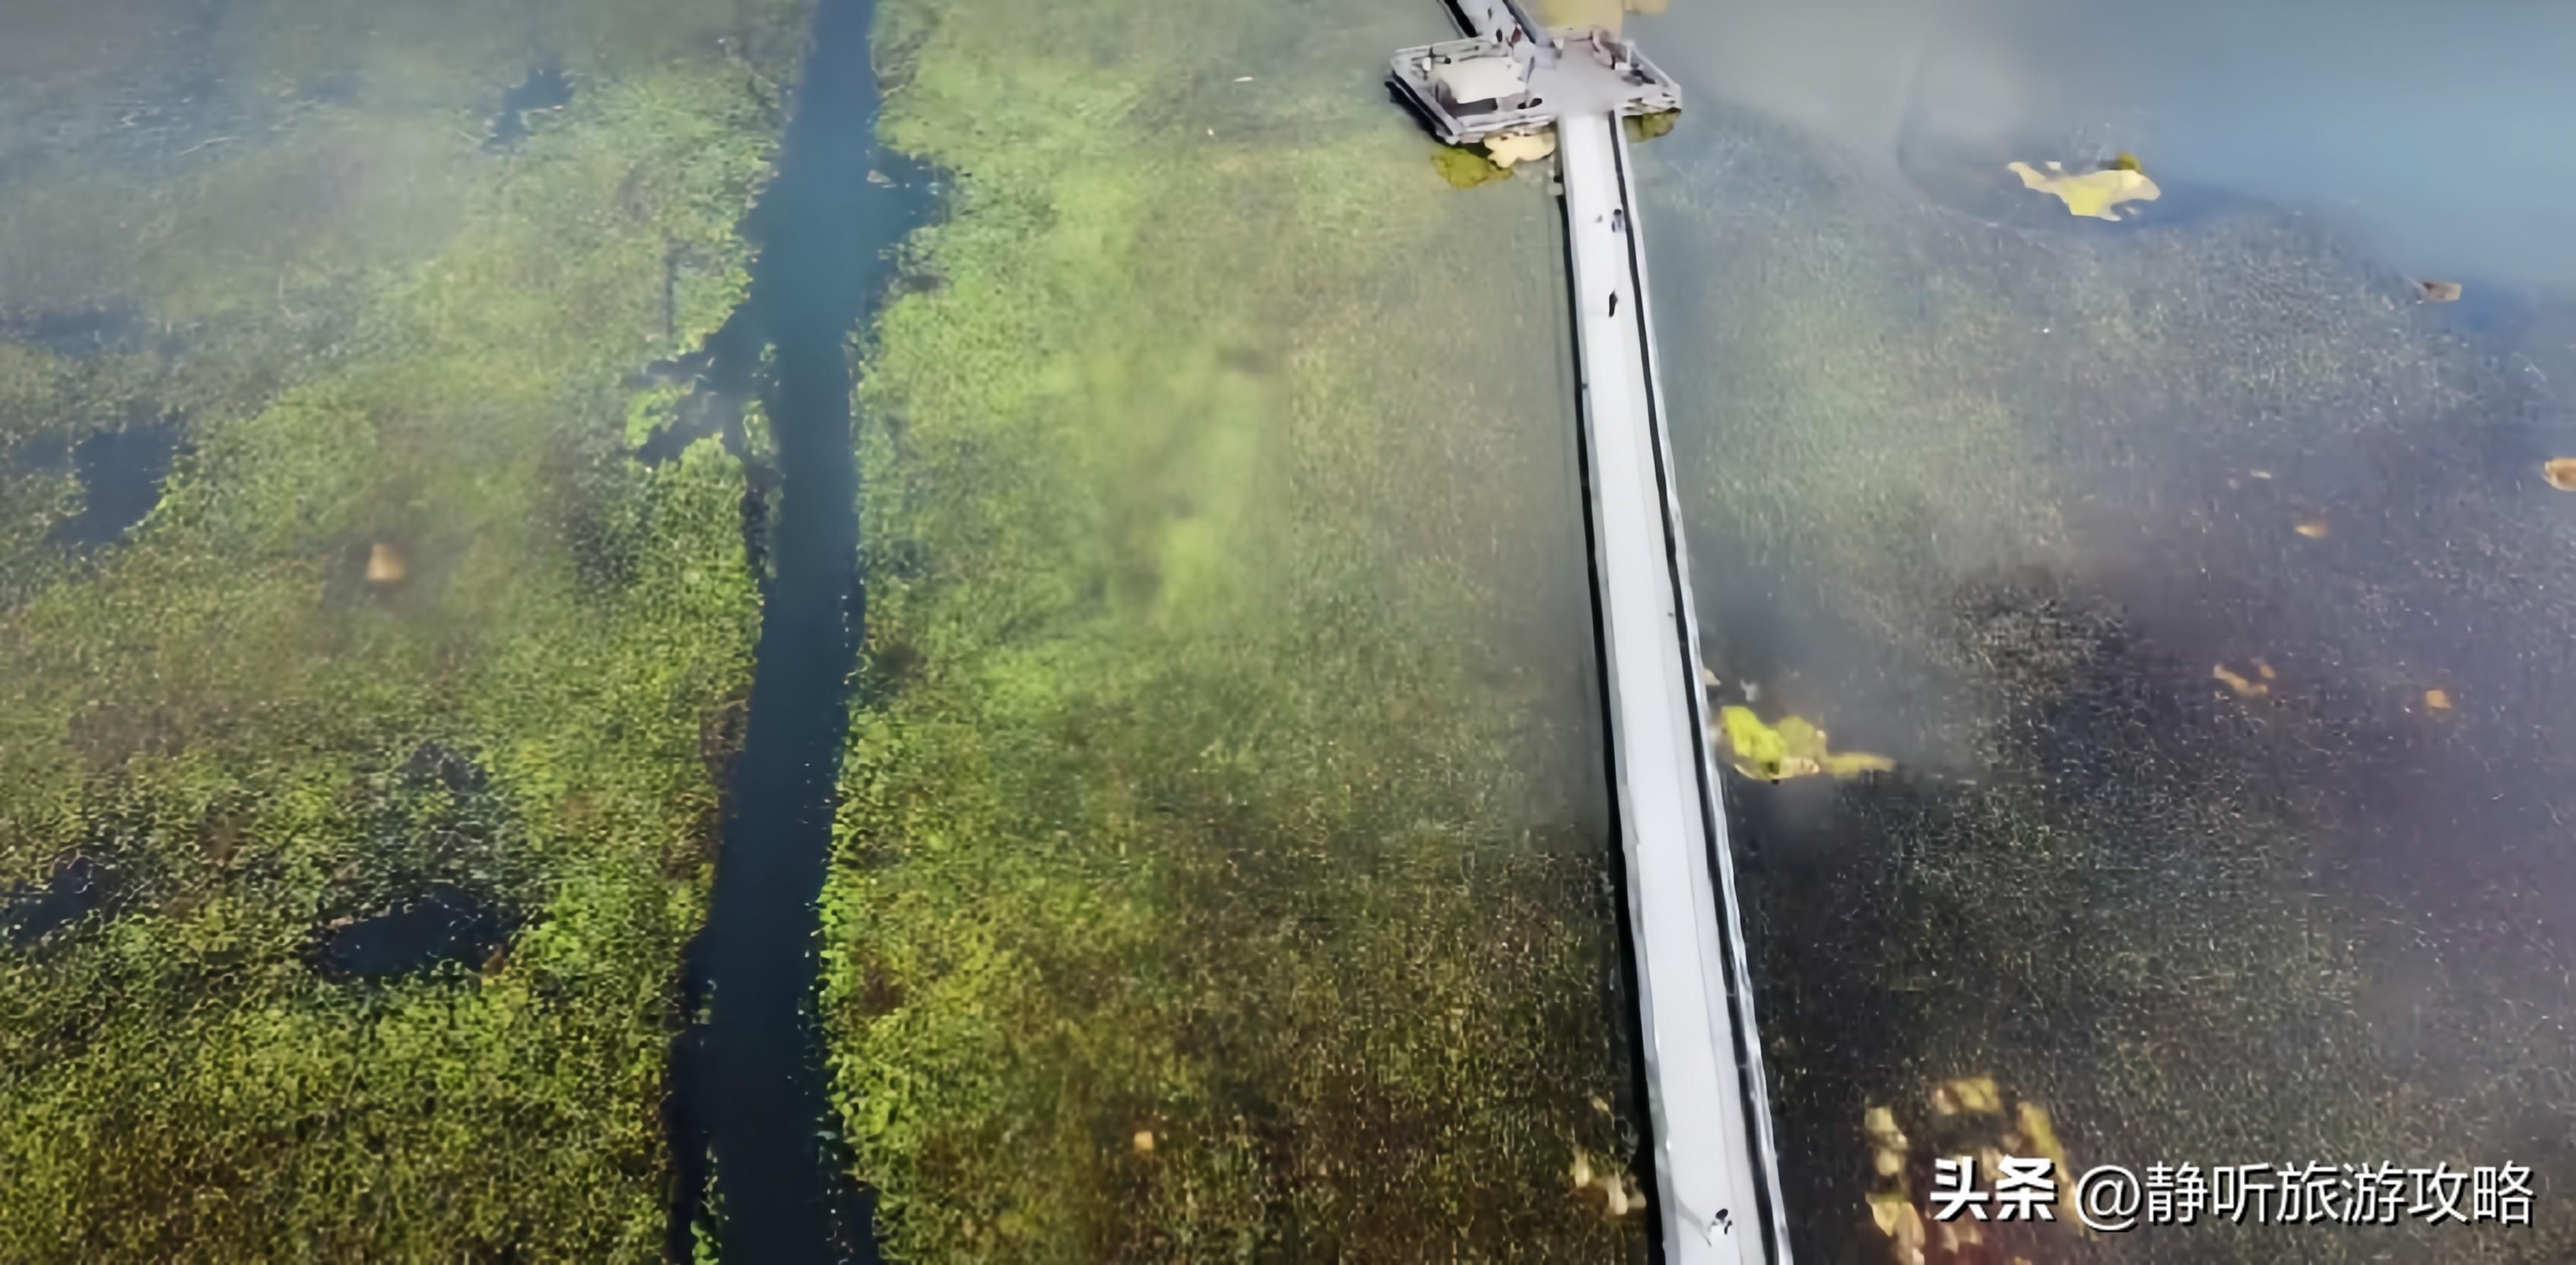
{"x":2203,"y":581}
{"x":1214,"y":763}
{"x":1989,"y":489}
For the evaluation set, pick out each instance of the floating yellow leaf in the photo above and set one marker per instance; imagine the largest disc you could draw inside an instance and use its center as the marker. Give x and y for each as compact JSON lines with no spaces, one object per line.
{"x":1888,"y":1208}
{"x":2031,"y":1121}
{"x":1855,"y":763}
{"x":1792,"y":748}
{"x":1619,"y":1197}
{"x":2094,"y":193}
{"x":1976,"y":1095}
{"x":1880,"y":1124}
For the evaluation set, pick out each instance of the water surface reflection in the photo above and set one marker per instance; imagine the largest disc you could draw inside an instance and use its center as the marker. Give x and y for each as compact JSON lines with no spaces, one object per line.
{"x":2203,"y":578}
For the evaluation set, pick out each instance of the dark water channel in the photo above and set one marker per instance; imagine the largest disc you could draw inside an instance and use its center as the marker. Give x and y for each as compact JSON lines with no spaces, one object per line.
{"x":121,"y":473}
{"x":2206,"y":582}
{"x":749,"y":1111}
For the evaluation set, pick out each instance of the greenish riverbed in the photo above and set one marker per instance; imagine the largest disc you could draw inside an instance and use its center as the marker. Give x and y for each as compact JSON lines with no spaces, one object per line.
{"x":407,"y":636}
{"x":1221,"y":870}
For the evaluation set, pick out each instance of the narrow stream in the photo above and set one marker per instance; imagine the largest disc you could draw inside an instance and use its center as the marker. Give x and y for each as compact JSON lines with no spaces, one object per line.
{"x":749,"y":1106}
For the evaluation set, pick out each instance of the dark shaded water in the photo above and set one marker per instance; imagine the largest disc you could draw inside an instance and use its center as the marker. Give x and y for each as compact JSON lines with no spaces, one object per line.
{"x":445,"y":925}
{"x":749,"y":1111}
{"x":546,"y":88}
{"x":37,"y":909}
{"x":121,"y":472}
{"x":2057,"y":475}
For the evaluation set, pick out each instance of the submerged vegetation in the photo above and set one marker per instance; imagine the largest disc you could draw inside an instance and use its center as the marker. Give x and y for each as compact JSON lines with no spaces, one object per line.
{"x":1646,"y":127}
{"x":1220,"y":868}
{"x":1996,"y":498}
{"x":1465,"y":167}
{"x":355,"y":803}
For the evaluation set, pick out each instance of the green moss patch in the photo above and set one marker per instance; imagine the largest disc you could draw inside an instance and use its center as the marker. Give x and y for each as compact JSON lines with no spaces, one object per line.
{"x":389,"y":721}
{"x":1213,"y":875}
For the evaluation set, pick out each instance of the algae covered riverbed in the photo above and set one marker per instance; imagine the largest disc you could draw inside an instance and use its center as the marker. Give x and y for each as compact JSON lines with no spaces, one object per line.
{"x":1221,"y":868}
{"x":357,"y":799}
{"x":1218,"y":858}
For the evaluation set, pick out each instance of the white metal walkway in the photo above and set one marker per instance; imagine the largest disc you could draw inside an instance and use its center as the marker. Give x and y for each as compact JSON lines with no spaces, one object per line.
{"x":1711,"y":1128}
{"x":1716,"y":1185}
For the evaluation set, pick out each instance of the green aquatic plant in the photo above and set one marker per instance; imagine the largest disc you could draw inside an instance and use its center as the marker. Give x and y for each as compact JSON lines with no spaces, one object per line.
{"x":265,"y":745}
{"x":1793,"y":747}
{"x":1645,"y":127}
{"x":1171,"y":813}
{"x":1878,"y":457}
{"x":1465,"y":167}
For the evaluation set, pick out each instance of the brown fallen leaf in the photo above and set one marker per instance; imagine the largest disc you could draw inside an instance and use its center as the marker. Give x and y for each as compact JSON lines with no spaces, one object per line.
{"x":2438,"y":291}
{"x":2560,"y":473}
{"x":1975,"y":1095}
